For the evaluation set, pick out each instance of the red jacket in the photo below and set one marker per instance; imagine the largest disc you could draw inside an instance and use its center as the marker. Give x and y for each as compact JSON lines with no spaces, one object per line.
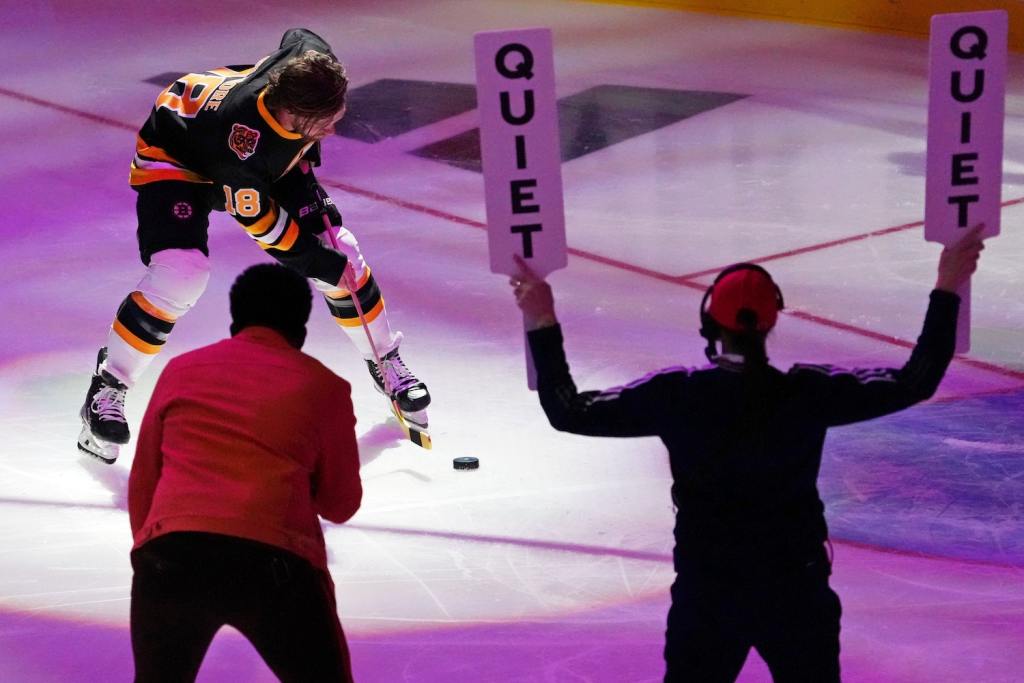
{"x":247,"y":437}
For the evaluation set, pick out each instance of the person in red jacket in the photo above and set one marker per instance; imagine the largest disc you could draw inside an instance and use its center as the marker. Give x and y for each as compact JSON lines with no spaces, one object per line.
{"x":245,"y":444}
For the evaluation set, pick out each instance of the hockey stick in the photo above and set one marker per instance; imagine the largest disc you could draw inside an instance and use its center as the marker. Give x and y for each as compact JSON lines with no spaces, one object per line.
{"x":418,"y":436}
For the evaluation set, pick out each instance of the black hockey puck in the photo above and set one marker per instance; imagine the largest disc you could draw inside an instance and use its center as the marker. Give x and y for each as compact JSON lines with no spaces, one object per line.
{"x":465,"y":463}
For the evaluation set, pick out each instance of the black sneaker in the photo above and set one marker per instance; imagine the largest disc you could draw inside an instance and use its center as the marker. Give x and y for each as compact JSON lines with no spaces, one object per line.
{"x":103,"y":412}
{"x":406,"y":390}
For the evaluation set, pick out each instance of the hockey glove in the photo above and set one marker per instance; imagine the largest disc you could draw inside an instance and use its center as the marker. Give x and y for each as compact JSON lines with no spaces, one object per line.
{"x":306,"y":201}
{"x":325,"y":205}
{"x":309,"y":216}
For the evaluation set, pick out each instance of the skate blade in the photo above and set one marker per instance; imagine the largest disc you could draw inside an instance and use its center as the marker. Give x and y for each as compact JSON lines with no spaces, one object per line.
{"x":97,"y":448}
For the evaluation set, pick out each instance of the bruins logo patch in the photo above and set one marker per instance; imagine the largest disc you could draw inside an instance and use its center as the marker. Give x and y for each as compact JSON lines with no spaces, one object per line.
{"x":242,"y":140}
{"x":182,"y":211}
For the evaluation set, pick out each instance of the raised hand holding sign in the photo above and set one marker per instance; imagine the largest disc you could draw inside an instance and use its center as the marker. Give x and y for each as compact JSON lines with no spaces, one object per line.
{"x":520,"y":152}
{"x":966,"y":103}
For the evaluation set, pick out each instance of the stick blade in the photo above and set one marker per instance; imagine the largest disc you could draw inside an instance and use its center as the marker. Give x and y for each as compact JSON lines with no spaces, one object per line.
{"x":414,"y":425}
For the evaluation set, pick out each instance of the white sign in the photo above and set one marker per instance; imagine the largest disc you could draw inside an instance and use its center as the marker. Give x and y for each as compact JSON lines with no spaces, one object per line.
{"x":520,"y":150}
{"x":521,"y":153}
{"x":966,"y":104}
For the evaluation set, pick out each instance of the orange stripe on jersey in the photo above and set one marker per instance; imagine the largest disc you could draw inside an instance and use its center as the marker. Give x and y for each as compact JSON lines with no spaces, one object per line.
{"x":142,"y":176}
{"x":370,"y":316}
{"x":272,"y":122}
{"x":133,"y":341}
{"x":148,"y":307}
{"x":153,"y":153}
{"x":224,"y":71}
{"x":263,"y":225}
{"x":290,"y":235}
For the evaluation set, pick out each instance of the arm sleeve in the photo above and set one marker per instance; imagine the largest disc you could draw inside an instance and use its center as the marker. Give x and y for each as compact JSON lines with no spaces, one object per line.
{"x":337,"y":488}
{"x":296,"y":193}
{"x":148,"y":462}
{"x":268,"y":221}
{"x":852,"y":395}
{"x":637,"y":409}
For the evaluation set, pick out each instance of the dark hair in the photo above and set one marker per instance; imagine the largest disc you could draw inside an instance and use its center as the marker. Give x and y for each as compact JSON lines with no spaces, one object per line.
{"x":273,"y":296}
{"x":750,"y":344}
{"x":311,"y":86}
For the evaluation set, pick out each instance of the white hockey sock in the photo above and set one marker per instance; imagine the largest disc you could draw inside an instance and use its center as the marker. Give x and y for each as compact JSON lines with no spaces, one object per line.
{"x":174,"y":281}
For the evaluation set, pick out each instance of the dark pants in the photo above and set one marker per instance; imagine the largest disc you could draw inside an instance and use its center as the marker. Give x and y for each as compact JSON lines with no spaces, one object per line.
{"x":176,"y":215}
{"x":187,"y":585}
{"x":791,"y":618}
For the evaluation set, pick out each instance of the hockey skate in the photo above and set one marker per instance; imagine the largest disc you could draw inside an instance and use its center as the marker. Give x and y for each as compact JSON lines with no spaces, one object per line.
{"x":409,"y":396}
{"x":406,"y":389}
{"x":104,"y":428}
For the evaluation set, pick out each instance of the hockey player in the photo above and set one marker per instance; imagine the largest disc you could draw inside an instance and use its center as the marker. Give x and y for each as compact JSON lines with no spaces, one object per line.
{"x":240,"y":139}
{"x":744,"y":446}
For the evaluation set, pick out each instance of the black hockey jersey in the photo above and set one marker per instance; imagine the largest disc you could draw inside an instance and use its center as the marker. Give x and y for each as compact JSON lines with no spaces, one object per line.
{"x":214,"y":127}
{"x":745,"y":447}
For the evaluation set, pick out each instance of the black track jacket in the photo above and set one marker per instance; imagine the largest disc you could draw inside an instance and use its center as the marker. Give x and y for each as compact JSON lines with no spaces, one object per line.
{"x":745,"y":446}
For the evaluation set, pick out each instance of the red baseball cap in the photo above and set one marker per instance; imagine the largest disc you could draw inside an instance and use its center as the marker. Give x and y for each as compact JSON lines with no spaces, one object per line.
{"x":745,"y":289}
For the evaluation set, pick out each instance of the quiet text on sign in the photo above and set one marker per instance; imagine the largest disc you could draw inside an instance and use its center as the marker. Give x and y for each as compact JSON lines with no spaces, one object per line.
{"x":965,"y":124}
{"x":520,"y":149}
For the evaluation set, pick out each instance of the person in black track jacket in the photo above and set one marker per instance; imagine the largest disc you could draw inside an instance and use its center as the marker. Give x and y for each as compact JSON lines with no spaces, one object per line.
{"x":745,"y":442}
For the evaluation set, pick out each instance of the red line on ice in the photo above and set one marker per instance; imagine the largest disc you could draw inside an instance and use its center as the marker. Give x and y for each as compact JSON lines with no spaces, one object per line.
{"x":686,"y":280}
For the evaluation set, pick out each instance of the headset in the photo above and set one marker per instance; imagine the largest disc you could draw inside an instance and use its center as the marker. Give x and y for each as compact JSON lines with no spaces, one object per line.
{"x":709,"y":327}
